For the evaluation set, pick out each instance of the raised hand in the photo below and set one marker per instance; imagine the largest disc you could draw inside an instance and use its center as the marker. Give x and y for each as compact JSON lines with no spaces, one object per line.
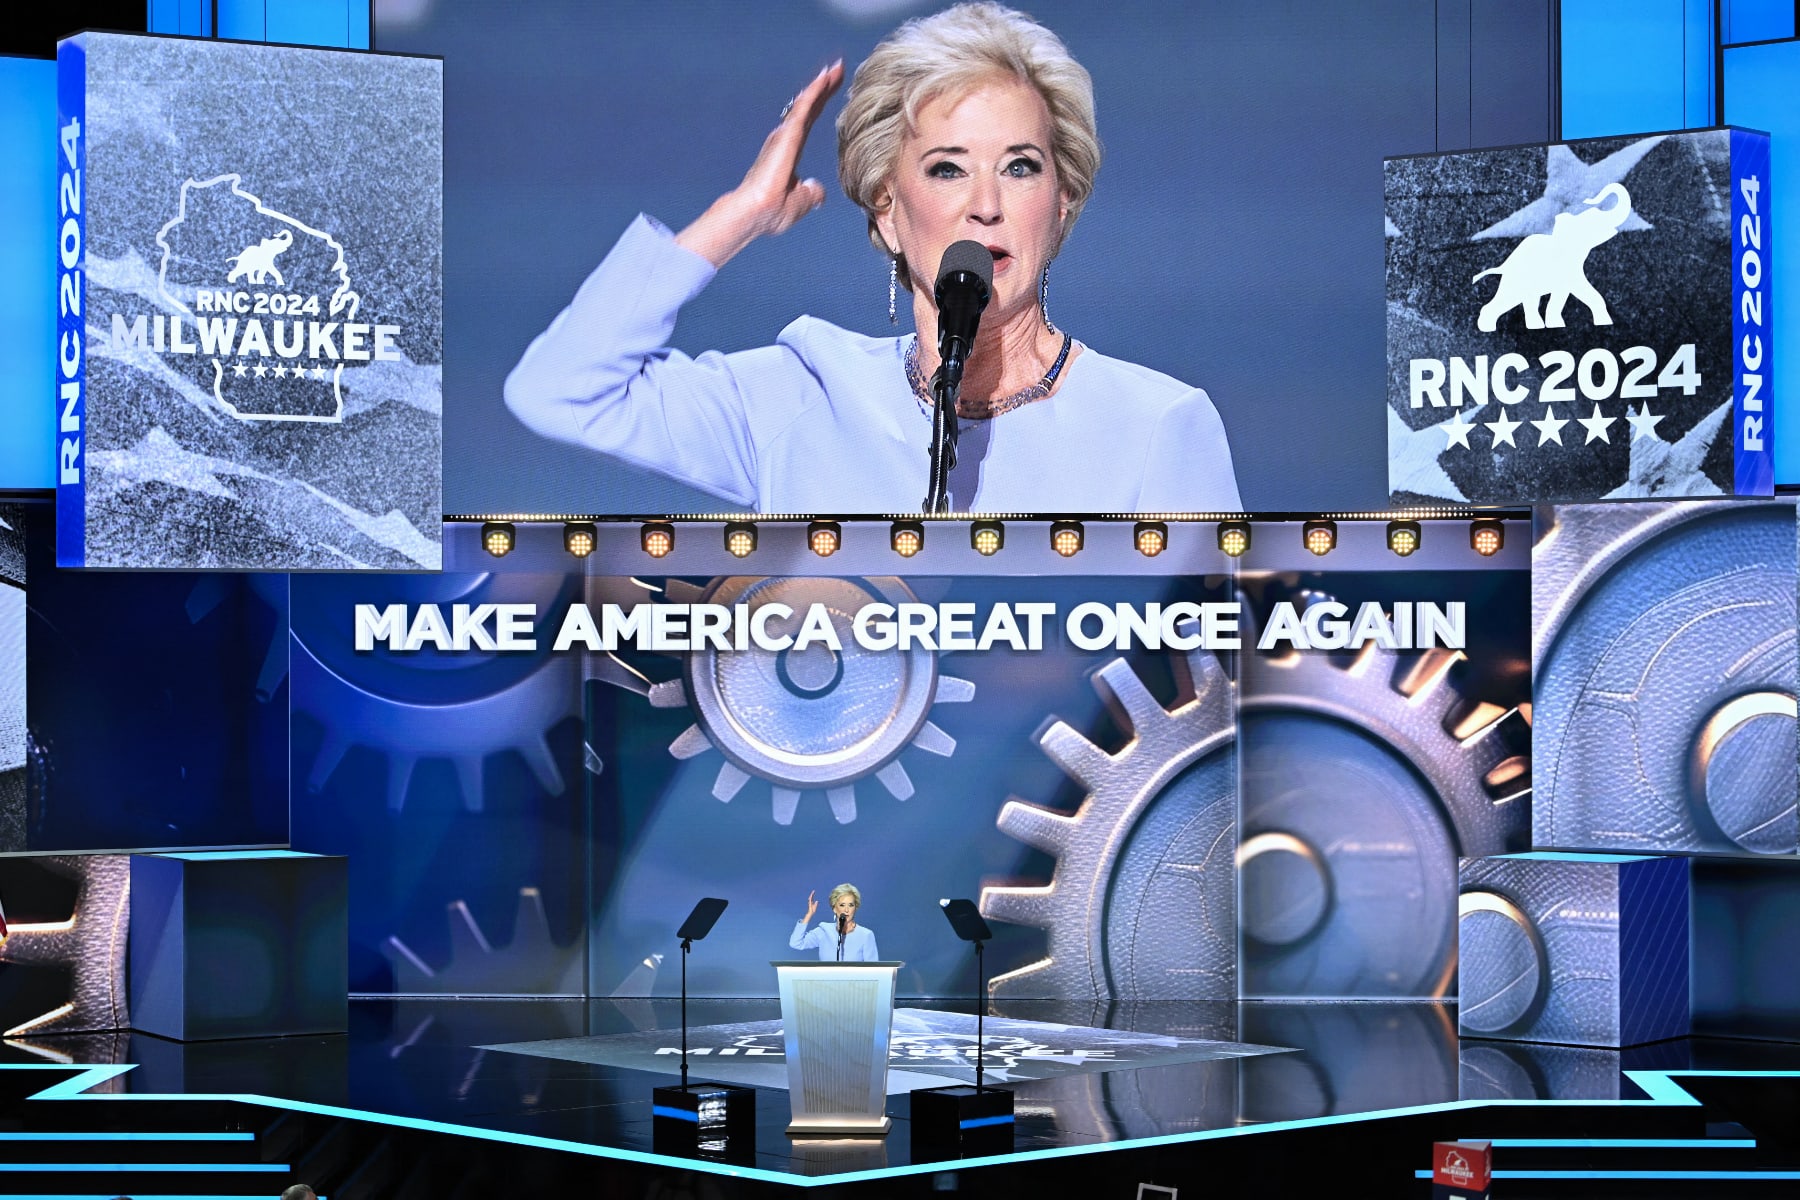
{"x":772,"y":196}
{"x":812,"y":906}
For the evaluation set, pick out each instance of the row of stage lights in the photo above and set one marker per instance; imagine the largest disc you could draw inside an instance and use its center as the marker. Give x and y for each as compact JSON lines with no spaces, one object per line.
{"x":907,"y":538}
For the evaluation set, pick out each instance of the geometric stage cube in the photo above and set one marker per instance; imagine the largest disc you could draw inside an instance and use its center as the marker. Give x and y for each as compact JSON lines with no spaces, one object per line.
{"x":239,"y":943}
{"x":1582,"y":949}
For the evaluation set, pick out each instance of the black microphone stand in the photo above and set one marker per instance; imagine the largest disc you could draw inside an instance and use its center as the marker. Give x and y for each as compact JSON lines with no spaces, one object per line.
{"x":943,"y":440}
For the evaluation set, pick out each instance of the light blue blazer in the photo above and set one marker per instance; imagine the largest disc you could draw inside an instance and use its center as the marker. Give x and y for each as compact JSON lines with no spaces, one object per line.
{"x":859,"y":943}
{"x":825,"y":421}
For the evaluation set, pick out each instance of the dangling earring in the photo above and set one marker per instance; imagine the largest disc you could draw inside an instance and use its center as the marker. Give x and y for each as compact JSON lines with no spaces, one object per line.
{"x":1044,"y":298}
{"x":893,"y":290}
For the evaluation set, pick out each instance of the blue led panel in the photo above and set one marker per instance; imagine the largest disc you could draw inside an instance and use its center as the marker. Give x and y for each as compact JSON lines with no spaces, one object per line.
{"x":1631,"y":67}
{"x":1760,"y":83}
{"x":1756,"y":20}
{"x":342,"y":23}
{"x":27,"y":269}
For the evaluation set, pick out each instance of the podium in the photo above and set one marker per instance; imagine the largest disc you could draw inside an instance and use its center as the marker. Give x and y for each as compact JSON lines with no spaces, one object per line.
{"x":836,"y":1019}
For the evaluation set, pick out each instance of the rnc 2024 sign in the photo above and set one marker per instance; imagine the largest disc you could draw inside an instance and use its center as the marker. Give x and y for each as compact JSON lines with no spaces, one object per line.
{"x":1580,"y":321}
{"x":250,"y":352}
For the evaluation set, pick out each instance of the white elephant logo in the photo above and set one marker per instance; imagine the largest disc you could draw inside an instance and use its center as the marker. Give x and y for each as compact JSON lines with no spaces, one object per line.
{"x":257,"y":262}
{"x":1550,"y":267}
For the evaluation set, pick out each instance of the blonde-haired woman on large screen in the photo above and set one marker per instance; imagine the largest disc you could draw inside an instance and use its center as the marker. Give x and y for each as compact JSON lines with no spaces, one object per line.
{"x":972,"y":124}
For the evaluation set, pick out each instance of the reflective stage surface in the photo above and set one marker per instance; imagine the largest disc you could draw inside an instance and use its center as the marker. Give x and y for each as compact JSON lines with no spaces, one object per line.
{"x":424,"y":1059}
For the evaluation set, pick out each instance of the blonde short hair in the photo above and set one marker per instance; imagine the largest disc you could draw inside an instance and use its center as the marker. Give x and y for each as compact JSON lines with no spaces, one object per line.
{"x":844,"y":889}
{"x":948,"y":52}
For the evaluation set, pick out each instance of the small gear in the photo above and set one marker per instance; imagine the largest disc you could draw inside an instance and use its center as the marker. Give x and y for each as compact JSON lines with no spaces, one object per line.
{"x":90,"y":945}
{"x":1154,"y":835}
{"x":1364,"y":780}
{"x":532,"y":963}
{"x":812,"y":719}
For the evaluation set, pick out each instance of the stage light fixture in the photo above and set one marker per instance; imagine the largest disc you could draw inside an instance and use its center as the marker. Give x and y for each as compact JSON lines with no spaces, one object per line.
{"x":740,"y":538}
{"x":907,"y":538}
{"x":658,"y":538}
{"x":824,"y":537}
{"x":1234,"y":538}
{"x":579,"y":538}
{"x":1486,"y":537}
{"x":1151,"y":538}
{"x":987,"y":537}
{"x":497,"y":538}
{"x":1319,"y":537}
{"x":1403,"y":537}
{"x":1066,"y":538}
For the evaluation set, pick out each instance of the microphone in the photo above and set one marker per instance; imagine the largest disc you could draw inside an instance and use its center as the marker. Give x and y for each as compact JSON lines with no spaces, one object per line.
{"x":965,"y":281}
{"x":842,"y":933}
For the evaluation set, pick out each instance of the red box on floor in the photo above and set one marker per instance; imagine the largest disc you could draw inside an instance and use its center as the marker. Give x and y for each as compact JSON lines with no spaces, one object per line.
{"x":1465,"y":1167}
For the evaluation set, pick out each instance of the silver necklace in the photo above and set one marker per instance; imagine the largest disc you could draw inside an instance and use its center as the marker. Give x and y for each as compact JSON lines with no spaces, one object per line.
{"x":982,"y":410}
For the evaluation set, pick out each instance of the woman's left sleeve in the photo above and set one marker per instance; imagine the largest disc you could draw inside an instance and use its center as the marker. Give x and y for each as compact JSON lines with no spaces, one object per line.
{"x":1187,"y":467}
{"x":874,"y":954}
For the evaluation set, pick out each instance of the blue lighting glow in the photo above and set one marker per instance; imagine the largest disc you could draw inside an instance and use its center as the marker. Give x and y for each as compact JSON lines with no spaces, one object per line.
{"x":1661,"y":1087}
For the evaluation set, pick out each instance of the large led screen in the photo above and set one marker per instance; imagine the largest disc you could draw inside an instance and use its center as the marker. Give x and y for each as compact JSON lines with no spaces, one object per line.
{"x":1221,"y":285}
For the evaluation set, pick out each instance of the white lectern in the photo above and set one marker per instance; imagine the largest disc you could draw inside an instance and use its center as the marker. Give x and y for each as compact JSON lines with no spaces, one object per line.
{"x":837,"y":1019}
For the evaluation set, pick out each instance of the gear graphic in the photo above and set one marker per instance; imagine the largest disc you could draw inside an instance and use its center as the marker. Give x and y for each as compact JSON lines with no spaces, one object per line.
{"x":1364,"y":780}
{"x":1156,"y":831}
{"x":1664,"y":656}
{"x":400,"y":708}
{"x":90,"y":945}
{"x":531,"y":964}
{"x":812,"y":719}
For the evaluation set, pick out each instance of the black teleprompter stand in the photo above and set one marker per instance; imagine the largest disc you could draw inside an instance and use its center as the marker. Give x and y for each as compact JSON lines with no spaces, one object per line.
{"x":705,"y":1120}
{"x":963,"y":1121}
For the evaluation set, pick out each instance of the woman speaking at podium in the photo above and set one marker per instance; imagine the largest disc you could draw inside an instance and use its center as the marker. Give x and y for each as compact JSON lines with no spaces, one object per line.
{"x":974,"y":124}
{"x":842,"y":940}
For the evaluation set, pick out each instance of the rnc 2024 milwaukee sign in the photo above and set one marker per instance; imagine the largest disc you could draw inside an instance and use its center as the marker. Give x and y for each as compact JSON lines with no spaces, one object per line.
{"x":249,"y":299}
{"x":1580,"y":321}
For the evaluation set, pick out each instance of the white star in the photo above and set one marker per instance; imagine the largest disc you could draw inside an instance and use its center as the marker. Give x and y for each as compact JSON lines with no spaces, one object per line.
{"x":238,"y":369}
{"x":1643,"y":425}
{"x":1597,"y":426}
{"x":1413,"y":456}
{"x":1457,"y":431}
{"x":1503,"y":429}
{"x":1549,"y":426}
{"x":1660,"y":469}
{"x":318,"y":372}
{"x":260,"y":371}
{"x":281,"y":372}
{"x":1568,"y":184}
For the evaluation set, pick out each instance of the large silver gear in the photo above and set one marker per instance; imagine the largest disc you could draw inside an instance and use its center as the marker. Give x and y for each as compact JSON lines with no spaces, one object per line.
{"x":90,"y":945}
{"x":1156,"y":833}
{"x":812,"y":720}
{"x":1363,"y":783}
{"x":1664,"y":667}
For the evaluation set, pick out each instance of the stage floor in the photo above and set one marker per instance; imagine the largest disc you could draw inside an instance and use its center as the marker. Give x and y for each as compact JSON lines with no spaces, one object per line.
{"x":434,"y":1060}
